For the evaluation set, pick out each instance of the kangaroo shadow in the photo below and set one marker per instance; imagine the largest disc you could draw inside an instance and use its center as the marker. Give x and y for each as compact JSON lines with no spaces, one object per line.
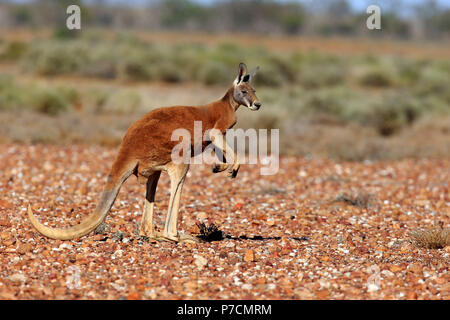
{"x":212,"y":233}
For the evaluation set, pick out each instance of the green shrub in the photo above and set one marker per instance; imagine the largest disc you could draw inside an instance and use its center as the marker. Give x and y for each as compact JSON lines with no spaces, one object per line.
{"x":122,"y":102}
{"x":320,"y":76}
{"x":11,"y":98}
{"x":63,"y":33}
{"x":328,"y":101}
{"x":71,"y":95}
{"x":31,"y":97}
{"x":56,"y":58}
{"x":214,"y":73}
{"x":5,"y":80}
{"x":96,"y":98}
{"x":168,"y":72}
{"x":408,"y":70}
{"x":395,"y":112}
{"x":377,"y":77}
{"x":286,"y":67}
{"x":433,"y":81}
{"x":13,"y":51}
{"x":101,"y":62}
{"x":48,"y":101}
{"x":269,"y":75}
{"x":228,"y":54}
{"x":135,"y":67}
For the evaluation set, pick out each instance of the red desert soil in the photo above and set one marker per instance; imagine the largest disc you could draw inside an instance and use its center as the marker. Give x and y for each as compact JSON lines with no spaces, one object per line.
{"x":297,"y":243}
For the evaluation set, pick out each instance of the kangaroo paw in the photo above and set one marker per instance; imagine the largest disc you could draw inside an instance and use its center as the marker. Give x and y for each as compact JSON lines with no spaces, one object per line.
{"x":219,"y":167}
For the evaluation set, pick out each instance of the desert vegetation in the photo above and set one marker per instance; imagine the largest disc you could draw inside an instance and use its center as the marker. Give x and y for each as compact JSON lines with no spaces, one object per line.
{"x":436,"y":237}
{"x":386,"y":98}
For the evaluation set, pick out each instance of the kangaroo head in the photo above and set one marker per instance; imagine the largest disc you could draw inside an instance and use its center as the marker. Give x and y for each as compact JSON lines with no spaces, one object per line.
{"x":243,"y":92}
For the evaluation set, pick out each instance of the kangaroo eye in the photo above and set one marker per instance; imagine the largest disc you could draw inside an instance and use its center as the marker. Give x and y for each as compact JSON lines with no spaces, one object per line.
{"x":244,"y":92}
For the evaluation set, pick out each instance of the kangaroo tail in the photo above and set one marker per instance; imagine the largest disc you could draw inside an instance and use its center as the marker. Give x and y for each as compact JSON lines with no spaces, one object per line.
{"x":90,"y":223}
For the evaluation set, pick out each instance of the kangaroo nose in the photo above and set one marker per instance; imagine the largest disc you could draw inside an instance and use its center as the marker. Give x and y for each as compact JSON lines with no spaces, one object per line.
{"x":257,"y":104}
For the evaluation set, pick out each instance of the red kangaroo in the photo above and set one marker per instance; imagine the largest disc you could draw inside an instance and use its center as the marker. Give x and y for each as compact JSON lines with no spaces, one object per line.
{"x":146,"y":150}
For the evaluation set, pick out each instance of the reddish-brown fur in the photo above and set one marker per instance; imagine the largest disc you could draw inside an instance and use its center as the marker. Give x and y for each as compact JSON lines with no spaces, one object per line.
{"x":148,"y":141}
{"x":146,"y":150}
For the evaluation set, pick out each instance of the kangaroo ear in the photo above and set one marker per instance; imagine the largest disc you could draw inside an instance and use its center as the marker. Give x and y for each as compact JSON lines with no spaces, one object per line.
{"x":242,"y":72}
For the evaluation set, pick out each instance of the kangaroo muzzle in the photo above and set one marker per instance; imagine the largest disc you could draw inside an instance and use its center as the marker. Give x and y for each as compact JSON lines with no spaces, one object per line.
{"x":255,"y":106}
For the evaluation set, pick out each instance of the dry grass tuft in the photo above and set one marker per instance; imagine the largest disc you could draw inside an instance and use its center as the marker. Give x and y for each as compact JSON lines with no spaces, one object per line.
{"x":209,"y":233}
{"x":434,"y":238}
{"x":103,"y":229}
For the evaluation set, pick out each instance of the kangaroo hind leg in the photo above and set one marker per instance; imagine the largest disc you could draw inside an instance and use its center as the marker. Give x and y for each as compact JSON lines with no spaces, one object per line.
{"x":147,"y":229}
{"x":177,"y":173}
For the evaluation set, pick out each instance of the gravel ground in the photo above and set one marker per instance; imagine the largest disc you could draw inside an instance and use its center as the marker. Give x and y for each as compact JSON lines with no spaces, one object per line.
{"x":318,"y":229}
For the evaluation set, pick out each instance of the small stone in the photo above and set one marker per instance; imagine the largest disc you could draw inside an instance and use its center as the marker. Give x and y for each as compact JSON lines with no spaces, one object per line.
{"x":303,"y":294}
{"x":46,"y":291}
{"x":191,"y":285}
{"x":7,"y":295}
{"x":5,"y":223}
{"x":396,"y":269}
{"x":22,"y":249}
{"x":261,"y":280}
{"x":247,"y":286}
{"x":230,"y":245}
{"x":18,"y":277}
{"x":372,"y":287}
{"x":200,"y":262}
{"x":151,"y":294}
{"x":322,"y":294}
{"x":249,"y":256}
{"x":415,"y":268}
{"x":47,"y":166}
{"x":422,"y":203}
{"x":60,"y":292}
{"x":202,"y":215}
{"x":118,"y":253}
{"x":5,"y":236}
{"x":9,"y":242}
{"x":98,"y":237}
{"x":117,"y":286}
{"x":134,"y":296}
{"x":65,"y":246}
{"x":83,"y":190}
{"x":387,"y":273}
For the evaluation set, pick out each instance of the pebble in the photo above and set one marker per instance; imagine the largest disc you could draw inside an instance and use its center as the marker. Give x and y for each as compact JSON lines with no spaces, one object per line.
{"x":262,"y":260}
{"x":200,"y":261}
{"x":249,"y":256}
{"x":18,"y":277}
